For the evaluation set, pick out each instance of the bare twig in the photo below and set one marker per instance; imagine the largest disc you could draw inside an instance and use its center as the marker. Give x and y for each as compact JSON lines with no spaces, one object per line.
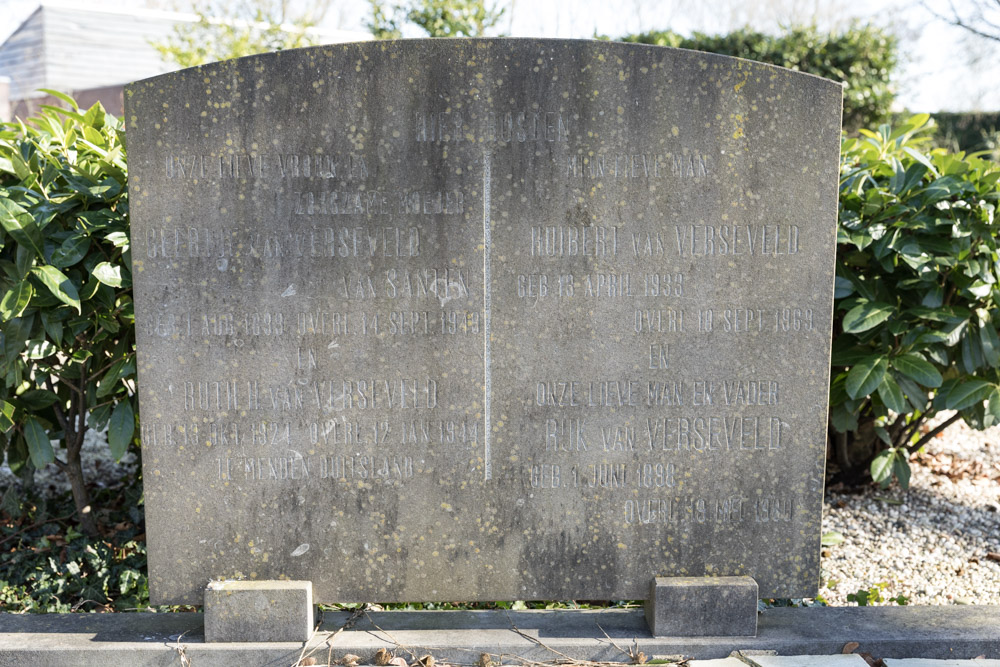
{"x":181,"y":649}
{"x":349,"y":623}
{"x":305,"y":645}
{"x":391,"y":638}
{"x":569,"y":660}
{"x":970,"y":24}
{"x":80,"y":603}
{"x":612,"y":642}
{"x":911,"y":429}
{"x":36,"y":525}
{"x":66,"y":383}
{"x":537,"y":641}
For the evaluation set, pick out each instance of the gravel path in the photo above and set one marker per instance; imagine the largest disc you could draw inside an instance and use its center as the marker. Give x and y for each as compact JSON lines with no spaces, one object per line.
{"x":932,"y":544}
{"x":938,"y":543}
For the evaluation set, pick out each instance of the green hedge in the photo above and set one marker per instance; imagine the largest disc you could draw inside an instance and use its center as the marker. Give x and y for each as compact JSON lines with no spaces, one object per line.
{"x":968,"y":131}
{"x":863,"y":57}
{"x":917,"y":297}
{"x":67,"y":329}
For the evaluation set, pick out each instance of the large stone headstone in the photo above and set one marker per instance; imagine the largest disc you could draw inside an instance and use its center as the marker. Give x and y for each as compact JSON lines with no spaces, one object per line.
{"x":486,"y":319}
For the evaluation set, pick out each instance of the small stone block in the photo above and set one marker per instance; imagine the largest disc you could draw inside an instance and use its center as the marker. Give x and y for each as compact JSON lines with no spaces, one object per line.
{"x":702,"y":607}
{"x":258,"y":611}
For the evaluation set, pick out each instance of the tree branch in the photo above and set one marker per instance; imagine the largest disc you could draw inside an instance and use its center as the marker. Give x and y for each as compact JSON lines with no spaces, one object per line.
{"x":958,"y":21}
{"x":60,"y":415}
{"x":76,"y":415}
{"x":897,"y":427}
{"x":105,"y":367}
{"x":914,"y":425}
{"x":67,"y":383}
{"x":843,"y":456}
{"x":945,"y":424}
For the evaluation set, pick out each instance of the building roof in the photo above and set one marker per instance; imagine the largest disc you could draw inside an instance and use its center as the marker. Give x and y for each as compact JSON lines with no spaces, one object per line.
{"x":69,"y":47}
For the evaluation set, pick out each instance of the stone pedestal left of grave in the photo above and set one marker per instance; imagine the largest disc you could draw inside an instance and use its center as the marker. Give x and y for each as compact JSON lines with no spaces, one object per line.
{"x":258,"y":611}
{"x":702,"y":607}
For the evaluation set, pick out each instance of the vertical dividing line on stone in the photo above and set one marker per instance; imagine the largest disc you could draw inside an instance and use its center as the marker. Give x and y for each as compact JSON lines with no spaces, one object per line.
{"x":487,"y":316}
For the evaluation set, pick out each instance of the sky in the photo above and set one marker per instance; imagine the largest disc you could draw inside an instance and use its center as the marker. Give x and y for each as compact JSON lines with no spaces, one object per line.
{"x":943,"y":67}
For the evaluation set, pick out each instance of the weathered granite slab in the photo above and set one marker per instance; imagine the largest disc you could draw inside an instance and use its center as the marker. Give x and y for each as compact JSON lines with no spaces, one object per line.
{"x":486,"y":319}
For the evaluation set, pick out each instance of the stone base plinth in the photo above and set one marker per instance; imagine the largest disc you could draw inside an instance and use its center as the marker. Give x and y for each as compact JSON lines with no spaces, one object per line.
{"x":702,"y":607}
{"x":258,"y":611}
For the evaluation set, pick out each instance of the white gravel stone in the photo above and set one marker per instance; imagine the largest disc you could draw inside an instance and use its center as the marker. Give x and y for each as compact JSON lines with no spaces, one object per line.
{"x":929,"y":544}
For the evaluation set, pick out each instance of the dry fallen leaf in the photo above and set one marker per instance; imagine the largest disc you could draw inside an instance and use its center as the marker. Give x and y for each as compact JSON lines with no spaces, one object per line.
{"x":349,"y":660}
{"x":307,"y":661}
{"x":427,"y":661}
{"x":951,"y":466}
{"x":850,"y":647}
{"x":484,"y":660}
{"x":398,"y":662}
{"x":382,"y":657}
{"x":640,"y":658}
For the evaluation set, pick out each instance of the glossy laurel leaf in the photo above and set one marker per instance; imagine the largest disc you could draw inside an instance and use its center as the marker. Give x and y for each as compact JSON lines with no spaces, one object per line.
{"x":865,"y":316}
{"x":866,"y":376}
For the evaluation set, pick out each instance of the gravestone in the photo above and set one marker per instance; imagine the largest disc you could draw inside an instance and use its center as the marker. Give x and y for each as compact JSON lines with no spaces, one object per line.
{"x":483,"y":319}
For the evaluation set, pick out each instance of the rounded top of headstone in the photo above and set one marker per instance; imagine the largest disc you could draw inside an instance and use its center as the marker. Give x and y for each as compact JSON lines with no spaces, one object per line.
{"x":511,"y":47}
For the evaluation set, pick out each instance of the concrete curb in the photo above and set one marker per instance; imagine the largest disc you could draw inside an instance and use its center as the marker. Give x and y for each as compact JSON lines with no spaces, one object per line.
{"x":961,"y":632}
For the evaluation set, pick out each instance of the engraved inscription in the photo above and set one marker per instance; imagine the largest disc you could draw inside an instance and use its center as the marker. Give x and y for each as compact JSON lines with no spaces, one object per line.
{"x":723,"y":240}
{"x":299,"y":468}
{"x":693,"y":509}
{"x":374,"y":202}
{"x":567,"y":241}
{"x":638,"y":165}
{"x":505,"y":127}
{"x":323,"y":242}
{"x":756,"y":320}
{"x":271,"y":166}
{"x":327,"y":395}
{"x":640,"y":475}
